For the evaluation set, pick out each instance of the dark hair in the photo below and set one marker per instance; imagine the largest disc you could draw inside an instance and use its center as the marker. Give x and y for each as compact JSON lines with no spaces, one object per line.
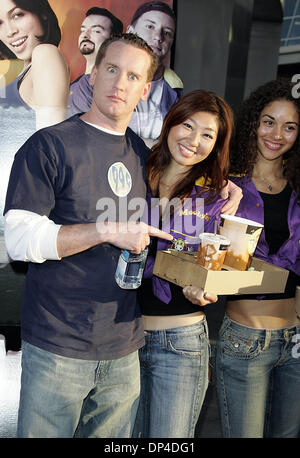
{"x":214,"y":168}
{"x":153,"y":6}
{"x":6,"y":53}
{"x":133,"y":40}
{"x":244,"y":144}
{"x":47,"y":18}
{"x":117,"y":25}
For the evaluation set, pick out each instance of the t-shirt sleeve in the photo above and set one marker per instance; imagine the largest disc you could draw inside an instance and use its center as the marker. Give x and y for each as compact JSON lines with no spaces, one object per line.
{"x":34,"y":176}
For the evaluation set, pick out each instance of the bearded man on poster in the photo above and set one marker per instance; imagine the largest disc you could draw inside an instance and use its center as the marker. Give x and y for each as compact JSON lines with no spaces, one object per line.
{"x":98,"y":25}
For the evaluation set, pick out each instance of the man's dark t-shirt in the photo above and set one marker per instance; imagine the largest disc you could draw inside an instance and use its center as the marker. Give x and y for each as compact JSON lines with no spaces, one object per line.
{"x":73,"y":307}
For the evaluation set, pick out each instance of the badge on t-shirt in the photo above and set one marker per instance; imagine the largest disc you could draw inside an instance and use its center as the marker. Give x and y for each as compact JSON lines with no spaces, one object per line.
{"x":119,"y":179}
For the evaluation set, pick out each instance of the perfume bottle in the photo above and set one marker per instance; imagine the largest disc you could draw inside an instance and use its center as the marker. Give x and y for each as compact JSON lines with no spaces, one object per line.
{"x":130,"y":269}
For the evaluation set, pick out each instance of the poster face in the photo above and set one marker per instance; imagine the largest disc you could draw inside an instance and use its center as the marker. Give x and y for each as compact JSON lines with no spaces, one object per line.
{"x":35,"y":80}
{"x":71,"y":14}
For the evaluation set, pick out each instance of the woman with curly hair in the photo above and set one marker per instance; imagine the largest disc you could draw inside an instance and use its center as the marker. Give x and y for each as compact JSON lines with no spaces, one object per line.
{"x":257,"y":370}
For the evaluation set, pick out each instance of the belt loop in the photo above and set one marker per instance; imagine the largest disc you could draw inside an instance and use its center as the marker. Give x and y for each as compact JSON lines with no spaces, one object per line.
{"x":267,"y":338}
{"x":287,"y":333}
{"x":163,"y":338}
{"x":226,"y":322}
{"x":205,"y":327}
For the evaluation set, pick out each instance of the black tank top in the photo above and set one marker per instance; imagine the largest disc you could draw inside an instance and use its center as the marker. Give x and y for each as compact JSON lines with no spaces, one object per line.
{"x":276,"y":228}
{"x":276,"y":232}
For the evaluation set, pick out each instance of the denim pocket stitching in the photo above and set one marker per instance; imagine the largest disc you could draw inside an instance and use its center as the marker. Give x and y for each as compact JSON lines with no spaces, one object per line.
{"x":187,"y":353}
{"x":239,"y":346}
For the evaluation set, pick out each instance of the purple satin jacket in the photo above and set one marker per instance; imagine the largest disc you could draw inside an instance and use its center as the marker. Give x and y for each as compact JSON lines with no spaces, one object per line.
{"x":252,"y":207}
{"x":185,"y":224}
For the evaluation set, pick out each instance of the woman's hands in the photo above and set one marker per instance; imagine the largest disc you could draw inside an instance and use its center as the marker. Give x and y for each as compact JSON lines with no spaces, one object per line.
{"x":197,"y":296}
{"x":235,"y":194}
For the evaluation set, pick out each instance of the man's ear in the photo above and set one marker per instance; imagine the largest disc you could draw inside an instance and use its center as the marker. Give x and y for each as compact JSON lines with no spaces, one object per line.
{"x":145,"y":92}
{"x":93,"y":75}
{"x":130,"y":29}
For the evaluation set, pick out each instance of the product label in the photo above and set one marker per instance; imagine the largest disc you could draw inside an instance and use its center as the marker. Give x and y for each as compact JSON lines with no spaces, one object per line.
{"x":119,"y":179}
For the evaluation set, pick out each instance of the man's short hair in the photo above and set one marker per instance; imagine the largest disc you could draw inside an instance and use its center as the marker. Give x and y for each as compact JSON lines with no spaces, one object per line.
{"x":153,"y":6}
{"x":117,"y":25}
{"x":133,"y":40}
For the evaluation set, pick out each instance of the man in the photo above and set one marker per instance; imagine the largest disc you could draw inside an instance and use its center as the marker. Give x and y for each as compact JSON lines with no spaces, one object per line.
{"x":155,"y":22}
{"x":80,"y":330}
{"x":98,"y":25}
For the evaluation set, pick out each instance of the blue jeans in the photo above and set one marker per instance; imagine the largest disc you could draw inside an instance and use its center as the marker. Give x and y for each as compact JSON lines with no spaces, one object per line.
{"x":258,"y":380}
{"x":174,"y":379}
{"x":66,"y":397}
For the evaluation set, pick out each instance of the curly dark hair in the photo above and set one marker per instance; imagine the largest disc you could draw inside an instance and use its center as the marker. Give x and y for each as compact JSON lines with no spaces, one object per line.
{"x":244,"y":151}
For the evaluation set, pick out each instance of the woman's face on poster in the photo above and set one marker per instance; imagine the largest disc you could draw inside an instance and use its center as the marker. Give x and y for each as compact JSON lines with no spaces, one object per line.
{"x":19,"y":29}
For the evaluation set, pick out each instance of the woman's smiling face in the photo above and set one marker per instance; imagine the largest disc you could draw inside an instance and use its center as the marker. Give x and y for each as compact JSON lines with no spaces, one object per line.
{"x":193,"y":140}
{"x":19,"y":30}
{"x":278,"y":129}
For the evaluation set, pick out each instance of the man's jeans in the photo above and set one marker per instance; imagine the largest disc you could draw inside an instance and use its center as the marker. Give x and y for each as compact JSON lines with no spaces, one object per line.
{"x":174,"y":379}
{"x":67,"y":397}
{"x":258,"y":381}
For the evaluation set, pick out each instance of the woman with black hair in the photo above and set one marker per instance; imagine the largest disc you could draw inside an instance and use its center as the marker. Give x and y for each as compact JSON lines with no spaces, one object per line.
{"x":38,"y":97}
{"x":257,"y":362}
{"x":29,"y":29}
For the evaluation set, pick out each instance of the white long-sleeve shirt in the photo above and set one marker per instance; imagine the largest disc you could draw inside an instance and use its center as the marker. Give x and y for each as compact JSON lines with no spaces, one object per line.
{"x":30,"y":237}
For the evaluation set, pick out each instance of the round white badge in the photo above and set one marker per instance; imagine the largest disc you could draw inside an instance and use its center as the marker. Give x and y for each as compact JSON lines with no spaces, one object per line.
{"x":119,"y":179}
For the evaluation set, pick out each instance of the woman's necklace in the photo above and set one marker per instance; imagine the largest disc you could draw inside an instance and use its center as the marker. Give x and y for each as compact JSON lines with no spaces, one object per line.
{"x":269,"y":186}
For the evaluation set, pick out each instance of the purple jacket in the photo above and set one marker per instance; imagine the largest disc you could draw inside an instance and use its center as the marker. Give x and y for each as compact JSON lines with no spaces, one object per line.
{"x":252,"y":207}
{"x":185,"y":224}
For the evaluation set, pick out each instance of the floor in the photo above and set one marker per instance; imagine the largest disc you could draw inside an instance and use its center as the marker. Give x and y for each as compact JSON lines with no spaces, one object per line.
{"x":10,"y":370}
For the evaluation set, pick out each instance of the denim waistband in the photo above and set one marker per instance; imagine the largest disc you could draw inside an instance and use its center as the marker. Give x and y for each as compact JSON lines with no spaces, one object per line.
{"x":183,"y":330}
{"x":247,"y":331}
